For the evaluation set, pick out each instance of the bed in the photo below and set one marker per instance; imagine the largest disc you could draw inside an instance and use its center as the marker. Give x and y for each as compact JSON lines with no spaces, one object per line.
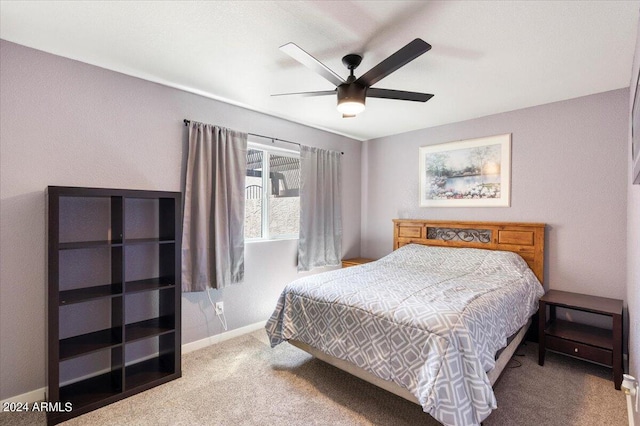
{"x":426,"y":321}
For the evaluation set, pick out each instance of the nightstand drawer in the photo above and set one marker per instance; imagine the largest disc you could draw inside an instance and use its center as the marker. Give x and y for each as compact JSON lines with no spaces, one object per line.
{"x":587,"y":352}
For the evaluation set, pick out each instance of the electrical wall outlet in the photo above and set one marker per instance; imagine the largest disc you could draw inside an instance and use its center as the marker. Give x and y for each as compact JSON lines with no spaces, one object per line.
{"x":219,"y":308}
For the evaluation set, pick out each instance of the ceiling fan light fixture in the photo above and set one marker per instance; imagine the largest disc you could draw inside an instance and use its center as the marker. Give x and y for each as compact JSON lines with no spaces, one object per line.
{"x":349,"y":107}
{"x":351,"y":98}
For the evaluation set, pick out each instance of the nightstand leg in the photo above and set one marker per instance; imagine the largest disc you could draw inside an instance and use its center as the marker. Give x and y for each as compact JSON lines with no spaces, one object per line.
{"x":542,"y":322}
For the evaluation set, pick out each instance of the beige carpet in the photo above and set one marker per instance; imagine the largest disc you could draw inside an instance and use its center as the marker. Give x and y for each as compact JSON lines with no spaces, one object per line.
{"x":244,"y":382}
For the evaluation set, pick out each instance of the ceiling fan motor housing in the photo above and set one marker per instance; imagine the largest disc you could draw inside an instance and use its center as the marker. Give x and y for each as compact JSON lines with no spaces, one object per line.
{"x":351,"y":92}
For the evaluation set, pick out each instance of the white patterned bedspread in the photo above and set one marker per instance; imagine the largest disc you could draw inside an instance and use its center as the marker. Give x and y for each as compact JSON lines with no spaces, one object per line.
{"x":429,"y":319}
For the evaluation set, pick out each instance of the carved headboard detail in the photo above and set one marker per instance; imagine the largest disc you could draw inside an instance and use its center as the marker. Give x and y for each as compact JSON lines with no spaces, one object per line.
{"x":526,"y":239}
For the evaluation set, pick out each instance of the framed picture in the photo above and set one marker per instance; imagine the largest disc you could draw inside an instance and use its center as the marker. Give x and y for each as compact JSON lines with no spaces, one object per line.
{"x":635,"y":134}
{"x":470,"y":173}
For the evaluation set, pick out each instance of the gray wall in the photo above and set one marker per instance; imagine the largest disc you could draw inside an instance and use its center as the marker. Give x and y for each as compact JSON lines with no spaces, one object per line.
{"x":569,"y":162}
{"x":633,"y":243}
{"x":67,"y":123}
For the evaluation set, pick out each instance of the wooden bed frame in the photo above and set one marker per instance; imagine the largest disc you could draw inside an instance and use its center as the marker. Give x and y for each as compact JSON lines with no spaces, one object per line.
{"x":526,"y":239}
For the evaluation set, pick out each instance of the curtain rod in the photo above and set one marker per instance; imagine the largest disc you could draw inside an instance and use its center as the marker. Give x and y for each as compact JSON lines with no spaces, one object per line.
{"x":186,"y":123}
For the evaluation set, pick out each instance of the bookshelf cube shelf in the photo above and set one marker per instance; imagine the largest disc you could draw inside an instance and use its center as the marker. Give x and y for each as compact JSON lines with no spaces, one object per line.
{"x":113,"y":295}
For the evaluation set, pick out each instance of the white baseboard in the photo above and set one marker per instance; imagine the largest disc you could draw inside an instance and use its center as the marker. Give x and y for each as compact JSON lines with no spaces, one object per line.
{"x":212,"y":340}
{"x":38,"y":394}
{"x":30,"y":397}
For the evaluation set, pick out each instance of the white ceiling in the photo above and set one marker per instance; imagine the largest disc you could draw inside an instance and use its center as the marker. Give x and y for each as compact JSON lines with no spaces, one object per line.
{"x":487,"y":57}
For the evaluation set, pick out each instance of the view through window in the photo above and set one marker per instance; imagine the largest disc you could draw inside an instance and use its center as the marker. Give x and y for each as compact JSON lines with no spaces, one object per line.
{"x":272,"y":191}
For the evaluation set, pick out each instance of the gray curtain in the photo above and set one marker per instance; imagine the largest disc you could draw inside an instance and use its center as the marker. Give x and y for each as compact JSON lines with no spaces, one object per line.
{"x":320,"y":242}
{"x":213,"y":227}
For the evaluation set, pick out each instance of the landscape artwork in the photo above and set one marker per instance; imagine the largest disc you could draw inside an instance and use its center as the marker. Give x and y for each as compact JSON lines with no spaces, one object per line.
{"x":474,"y":172}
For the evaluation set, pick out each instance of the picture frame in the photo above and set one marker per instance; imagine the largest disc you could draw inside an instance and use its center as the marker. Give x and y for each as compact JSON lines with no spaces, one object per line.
{"x":468,"y":173}
{"x":635,"y":134}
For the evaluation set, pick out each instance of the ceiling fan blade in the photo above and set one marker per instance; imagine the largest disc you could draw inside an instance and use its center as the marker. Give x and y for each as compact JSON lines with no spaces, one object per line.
{"x":309,"y":61}
{"x":318,"y":93}
{"x":373,"y":92}
{"x":402,"y":57}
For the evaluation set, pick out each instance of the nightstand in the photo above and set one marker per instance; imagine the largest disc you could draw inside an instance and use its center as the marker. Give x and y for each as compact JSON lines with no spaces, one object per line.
{"x":583,"y":341}
{"x":355,"y":261}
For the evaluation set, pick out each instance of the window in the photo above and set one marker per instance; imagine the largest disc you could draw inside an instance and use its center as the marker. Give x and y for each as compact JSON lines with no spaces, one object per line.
{"x":272,"y":191}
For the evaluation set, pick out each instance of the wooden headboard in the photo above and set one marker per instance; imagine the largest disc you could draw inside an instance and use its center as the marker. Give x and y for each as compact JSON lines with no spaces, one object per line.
{"x":526,"y":239}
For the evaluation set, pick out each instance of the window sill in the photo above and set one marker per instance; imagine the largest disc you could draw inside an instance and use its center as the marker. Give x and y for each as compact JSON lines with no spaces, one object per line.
{"x":271,"y":240}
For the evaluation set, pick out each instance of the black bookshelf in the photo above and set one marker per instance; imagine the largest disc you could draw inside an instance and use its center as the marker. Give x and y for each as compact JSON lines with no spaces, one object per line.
{"x":113,"y":255}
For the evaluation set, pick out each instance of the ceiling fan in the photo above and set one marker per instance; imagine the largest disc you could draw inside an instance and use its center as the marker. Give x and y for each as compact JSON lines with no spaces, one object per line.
{"x":353,"y":91}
